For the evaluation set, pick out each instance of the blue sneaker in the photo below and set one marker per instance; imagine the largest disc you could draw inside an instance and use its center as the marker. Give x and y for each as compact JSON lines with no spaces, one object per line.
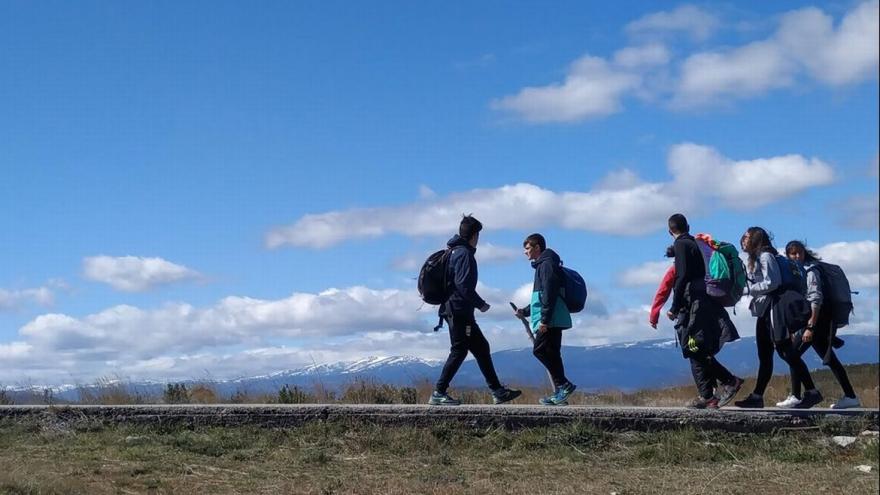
{"x":551,"y":400}
{"x":563,"y":393}
{"x":438,"y":399}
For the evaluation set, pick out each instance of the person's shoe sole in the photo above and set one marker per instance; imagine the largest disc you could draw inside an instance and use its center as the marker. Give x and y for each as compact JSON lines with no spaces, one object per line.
{"x":749,"y":405}
{"x":808,"y":402}
{"x":738,"y":385}
{"x":514,"y":394}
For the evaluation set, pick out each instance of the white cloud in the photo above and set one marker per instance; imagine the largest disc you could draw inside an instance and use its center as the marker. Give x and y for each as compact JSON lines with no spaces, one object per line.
{"x":426,"y":192}
{"x":648,"y":273}
{"x":592,"y":88}
{"x":860,"y":260}
{"x":134,"y":273}
{"x":621,"y":204}
{"x":860,"y":212}
{"x":635,"y":57}
{"x":806,"y":42}
{"x":16,"y":298}
{"x":688,"y":19}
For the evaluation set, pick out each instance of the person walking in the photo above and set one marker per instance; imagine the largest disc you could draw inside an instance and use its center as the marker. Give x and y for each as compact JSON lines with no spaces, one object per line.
{"x":766,"y":288}
{"x":819,"y":333}
{"x":699,"y":321}
{"x":548,"y":315}
{"x":458,"y":311}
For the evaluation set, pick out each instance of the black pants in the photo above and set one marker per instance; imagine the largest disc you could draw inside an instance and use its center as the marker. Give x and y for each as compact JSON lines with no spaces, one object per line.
{"x":821,"y":344}
{"x":464,"y":336}
{"x":548,"y":350}
{"x":785,"y":350}
{"x":708,"y":374}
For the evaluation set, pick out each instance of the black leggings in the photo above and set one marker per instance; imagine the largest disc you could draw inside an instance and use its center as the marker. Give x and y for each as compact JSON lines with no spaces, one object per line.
{"x":464,"y":336}
{"x":821,"y":343}
{"x":548,"y":350}
{"x":785,"y":350}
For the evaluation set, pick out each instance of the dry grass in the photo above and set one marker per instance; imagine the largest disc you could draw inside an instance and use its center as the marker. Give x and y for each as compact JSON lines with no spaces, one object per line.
{"x":331,"y":457}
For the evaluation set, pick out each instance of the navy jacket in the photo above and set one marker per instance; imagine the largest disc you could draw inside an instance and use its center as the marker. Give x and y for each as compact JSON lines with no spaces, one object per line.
{"x":462,"y":277}
{"x":690,"y":272}
{"x":547,"y":306}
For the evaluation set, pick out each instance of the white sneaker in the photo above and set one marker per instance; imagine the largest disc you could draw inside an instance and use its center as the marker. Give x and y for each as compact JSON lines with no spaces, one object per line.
{"x":846,"y":403}
{"x":788,"y":403}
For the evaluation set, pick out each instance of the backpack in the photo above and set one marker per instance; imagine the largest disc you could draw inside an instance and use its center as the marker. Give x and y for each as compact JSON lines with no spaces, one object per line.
{"x":835,"y":291}
{"x":725,"y":271}
{"x":433,"y":288}
{"x":574,"y":290}
{"x":793,"y":276}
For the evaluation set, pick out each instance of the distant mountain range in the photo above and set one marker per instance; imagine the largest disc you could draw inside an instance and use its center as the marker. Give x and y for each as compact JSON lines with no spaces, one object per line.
{"x":646,"y":364}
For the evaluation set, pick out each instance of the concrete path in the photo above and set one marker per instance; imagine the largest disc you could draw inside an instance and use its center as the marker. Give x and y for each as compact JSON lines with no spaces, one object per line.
{"x":506,"y":416}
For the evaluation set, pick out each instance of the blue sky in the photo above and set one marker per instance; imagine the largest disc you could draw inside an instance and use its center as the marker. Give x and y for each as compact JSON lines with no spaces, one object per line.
{"x":236,"y":188}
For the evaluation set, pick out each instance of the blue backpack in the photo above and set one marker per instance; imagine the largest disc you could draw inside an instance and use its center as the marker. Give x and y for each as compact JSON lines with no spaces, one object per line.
{"x":574,"y":290}
{"x":793,"y":276}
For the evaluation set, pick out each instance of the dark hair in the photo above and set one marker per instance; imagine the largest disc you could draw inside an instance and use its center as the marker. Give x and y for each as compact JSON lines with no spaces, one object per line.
{"x":809,"y":254}
{"x":678,"y":224}
{"x":670,"y":252}
{"x":536,"y":240}
{"x":468,"y":227}
{"x":759,"y":242}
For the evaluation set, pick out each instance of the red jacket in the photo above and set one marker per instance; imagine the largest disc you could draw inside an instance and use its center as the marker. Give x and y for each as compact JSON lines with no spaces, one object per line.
{"x":662,"y":294}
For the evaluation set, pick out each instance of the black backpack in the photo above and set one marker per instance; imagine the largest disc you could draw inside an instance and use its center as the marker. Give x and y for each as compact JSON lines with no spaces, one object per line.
{"x":836,"y":292}
{"x":433,"y":288}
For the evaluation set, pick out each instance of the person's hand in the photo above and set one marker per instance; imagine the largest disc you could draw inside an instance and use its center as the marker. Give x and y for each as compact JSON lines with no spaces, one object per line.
{"x":808,"y":335}
{"x":692,"y":345}
{"x":670,"y":315}
{"x":542,"y":328}
{"x":653,"y":324}
{"x":519,"y":313}
{"x":484,"y":308}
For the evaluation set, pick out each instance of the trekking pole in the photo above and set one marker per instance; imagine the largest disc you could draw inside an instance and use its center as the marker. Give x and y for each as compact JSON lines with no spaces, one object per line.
{"x":531,"y":338}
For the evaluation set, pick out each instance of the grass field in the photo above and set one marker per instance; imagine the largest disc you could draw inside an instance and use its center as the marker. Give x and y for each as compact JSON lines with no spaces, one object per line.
{"x":339,"y":457}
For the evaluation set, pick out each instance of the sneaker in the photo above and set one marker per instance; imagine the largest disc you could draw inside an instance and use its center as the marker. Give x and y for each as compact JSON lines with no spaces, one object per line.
{"x":789,"y":402}
{"x":504,"y":394}
{"x":811,"y":398}
{"x":846,"y":403}
{"x":438,"y":399}
{"x":550,"y":401}
{"x":751,"y":402}
{"x":701,"y":403}
{"x":564,"y":392}
{"x":728,"y":392}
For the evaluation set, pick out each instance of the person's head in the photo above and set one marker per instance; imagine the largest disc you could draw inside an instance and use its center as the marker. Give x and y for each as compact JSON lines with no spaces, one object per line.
{"x":756,"y":241}
{"x":678,"y":225}
{"x":469,"y":229}
{"x":799,"y":252}
{"x":534,"y":245}
{"x":670,"y":252}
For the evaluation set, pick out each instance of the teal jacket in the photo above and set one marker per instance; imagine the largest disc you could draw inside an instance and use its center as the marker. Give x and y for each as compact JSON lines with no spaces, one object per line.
{"x":547,"y":305}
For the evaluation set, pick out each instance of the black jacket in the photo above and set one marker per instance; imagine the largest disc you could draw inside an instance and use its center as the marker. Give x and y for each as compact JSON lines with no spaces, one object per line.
{"x":461,"y":274}
{"x":690,"y":272}
{"x":548,"y":282}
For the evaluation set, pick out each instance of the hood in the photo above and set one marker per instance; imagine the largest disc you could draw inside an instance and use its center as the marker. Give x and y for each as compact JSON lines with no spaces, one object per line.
{"x":547,"y":255}
{"x":457,"y":240}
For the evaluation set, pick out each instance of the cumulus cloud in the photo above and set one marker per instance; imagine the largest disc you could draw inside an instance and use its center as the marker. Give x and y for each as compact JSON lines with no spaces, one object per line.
{"x":11,"y":299}
{"x":648,"y":273}
{"x":860,"y":260}
{"x":134,"y":273}
{"x":621,"y":204}
{"x":687,"y":19}
{"x":860,"y":212}
{"x":806,"y":42}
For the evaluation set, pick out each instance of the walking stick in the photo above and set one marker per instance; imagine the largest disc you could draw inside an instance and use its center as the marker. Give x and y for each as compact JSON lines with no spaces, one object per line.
{"x":531,"y":338}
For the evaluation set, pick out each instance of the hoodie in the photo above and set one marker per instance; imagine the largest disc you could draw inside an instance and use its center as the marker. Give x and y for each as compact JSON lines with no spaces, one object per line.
{"x":462,"y":274}
{"x":547,"y":305}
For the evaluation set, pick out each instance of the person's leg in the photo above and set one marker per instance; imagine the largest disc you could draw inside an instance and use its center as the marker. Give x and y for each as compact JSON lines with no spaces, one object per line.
{"x":722,"y":374}
{"x":479,"y":347}
{"x":820,"y":345}
{"x":765,"y":355}
{"x":457,"y":352}
{"x":701,"y":368}
{"x":548,"y":350}
{"x":797,"y":365}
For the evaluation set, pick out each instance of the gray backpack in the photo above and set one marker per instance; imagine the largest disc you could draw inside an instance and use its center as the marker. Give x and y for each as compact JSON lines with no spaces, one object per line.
{"x":836,"y":292}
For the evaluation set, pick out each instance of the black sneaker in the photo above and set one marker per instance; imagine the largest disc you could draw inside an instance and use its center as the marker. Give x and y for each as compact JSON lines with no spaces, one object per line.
{"x":504,"y":394}
{"x":701,"y":403}
{"x":751,"y":402}
{"x":811,"y":398}
{"x":728,"y":392}
{"x":444,"y":399}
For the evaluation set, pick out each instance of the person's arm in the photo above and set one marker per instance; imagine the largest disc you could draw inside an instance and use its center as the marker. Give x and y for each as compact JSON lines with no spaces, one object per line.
{"x":815,"y":297}
{"x":466,"y":280}
{"x":771,"y":276}
{"x":662,"y":295}
{"x":680,"y":273}
{"x":550,"y":282}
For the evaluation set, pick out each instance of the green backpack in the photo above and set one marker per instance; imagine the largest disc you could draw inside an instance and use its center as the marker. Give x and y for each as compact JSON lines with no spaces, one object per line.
{"x":725,"y":271}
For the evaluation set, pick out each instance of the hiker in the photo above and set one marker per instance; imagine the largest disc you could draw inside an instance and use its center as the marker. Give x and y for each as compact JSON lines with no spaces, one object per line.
{"x":458,"y":311}
{"x":769,"y":293}
{"x":701,"y":322}
{"x":549,"y":316}
{"x":663,"y":291}
{"x":819,"y":332}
